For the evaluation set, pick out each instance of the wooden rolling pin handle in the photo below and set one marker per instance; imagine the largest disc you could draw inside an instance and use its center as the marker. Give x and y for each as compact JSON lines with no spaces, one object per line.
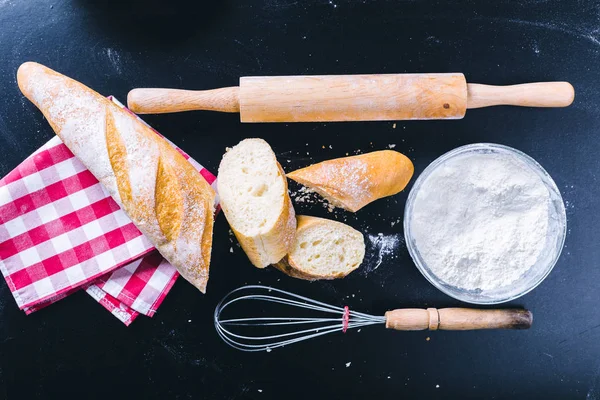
{"x":457,"y":319}
{"x":541,"y":94}
{"x":160,"y":101}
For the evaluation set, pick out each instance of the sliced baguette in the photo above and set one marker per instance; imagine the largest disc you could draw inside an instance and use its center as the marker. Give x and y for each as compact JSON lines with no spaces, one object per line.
{"x":254,"y":197}
{"x":160,"y":191}
{"x":353,"y":182}
{"x":323,"y":249}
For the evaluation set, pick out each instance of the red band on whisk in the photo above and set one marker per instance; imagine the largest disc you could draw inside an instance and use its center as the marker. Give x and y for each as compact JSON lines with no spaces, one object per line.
{"x":346,"y":319}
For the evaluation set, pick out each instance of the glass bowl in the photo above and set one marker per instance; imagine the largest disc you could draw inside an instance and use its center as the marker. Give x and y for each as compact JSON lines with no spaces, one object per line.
{"x":557,"y":229}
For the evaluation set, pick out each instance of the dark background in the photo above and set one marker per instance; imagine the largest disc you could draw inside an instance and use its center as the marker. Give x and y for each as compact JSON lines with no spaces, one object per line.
{"x":76,"y":349}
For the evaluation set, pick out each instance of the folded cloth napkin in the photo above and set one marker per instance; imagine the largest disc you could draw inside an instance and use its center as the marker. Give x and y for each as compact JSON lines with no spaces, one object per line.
{"x":60,"y":231}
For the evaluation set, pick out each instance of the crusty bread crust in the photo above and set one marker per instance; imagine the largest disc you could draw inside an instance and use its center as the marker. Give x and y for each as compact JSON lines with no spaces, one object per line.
{"x":270,"y":247}
{"x":353,"y":182}
{"x":294,"y":268}
{"x":165,"y":197}
{"x":285,"y":267}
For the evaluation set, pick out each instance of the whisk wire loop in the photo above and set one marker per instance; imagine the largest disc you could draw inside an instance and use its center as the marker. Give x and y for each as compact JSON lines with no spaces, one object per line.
{"x":228,"y":328}
{"x":283,"y":301}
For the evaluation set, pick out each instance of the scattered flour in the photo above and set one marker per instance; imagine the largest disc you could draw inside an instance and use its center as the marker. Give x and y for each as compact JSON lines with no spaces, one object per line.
{"x":114,"y":58}
{"x":381,"y":246}
{"x":480,"y":220}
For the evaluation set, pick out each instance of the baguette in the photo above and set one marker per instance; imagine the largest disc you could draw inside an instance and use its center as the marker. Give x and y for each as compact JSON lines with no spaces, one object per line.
{"x":353,"y":182}
{"x":323,"y":249}
{"x":255,"y":200}
{"x":165,"y":197}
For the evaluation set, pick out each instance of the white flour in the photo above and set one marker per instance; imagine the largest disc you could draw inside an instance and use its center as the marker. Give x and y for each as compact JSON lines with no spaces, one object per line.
{"x":480,"y":220}
{"x":383,"y":245}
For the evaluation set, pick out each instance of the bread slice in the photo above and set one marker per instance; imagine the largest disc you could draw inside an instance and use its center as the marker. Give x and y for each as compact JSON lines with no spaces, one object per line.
{"x":323,"y":249}
{"x":353,"y":182}
{"x":160,"y":191}
{"x":255,"y":200}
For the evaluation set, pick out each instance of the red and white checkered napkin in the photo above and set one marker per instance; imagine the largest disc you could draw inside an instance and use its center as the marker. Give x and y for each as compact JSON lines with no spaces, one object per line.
{"x":60,"y":231}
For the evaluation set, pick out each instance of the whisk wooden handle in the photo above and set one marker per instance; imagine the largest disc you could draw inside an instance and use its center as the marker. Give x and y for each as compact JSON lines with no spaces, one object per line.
{"x":457,"y":319}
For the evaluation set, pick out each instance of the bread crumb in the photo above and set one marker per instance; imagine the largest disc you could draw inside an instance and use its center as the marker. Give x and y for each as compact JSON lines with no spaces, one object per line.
{"x":268,"y":350}
{"x":348,"y":364}
{"x":389,"y":377}
{"x":330,"y":147}
{"x":391,"y":146}
{"x":303,"y":195}
{"x":323,"y":146}
{"x":259,"y":390}
{"x":394,"y":126}
{"x":189,"y":320}
{"x":437,"y":386}
{"x":330,"y":207}
{"x":428,"y":338}
{"x":231,"y":249}
{"x":358,"y":330}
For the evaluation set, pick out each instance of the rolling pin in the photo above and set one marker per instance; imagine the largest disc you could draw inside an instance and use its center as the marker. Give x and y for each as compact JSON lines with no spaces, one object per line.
{"x":351,"y":97}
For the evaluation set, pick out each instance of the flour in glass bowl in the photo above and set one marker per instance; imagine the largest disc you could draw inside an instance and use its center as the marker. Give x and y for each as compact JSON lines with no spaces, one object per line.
{"x":480,"y":220}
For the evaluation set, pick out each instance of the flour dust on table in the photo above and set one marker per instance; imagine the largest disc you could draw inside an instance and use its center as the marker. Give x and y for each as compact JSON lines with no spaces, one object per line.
{"x":381,"y":247}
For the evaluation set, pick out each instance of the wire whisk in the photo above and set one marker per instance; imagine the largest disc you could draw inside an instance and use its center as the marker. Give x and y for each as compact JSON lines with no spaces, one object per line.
{"x":330,"y":319}
{"x":272,"y":327}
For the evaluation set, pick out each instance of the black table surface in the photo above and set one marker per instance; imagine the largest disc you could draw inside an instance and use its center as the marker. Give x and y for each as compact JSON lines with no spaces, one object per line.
{"x":76,"y":349}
